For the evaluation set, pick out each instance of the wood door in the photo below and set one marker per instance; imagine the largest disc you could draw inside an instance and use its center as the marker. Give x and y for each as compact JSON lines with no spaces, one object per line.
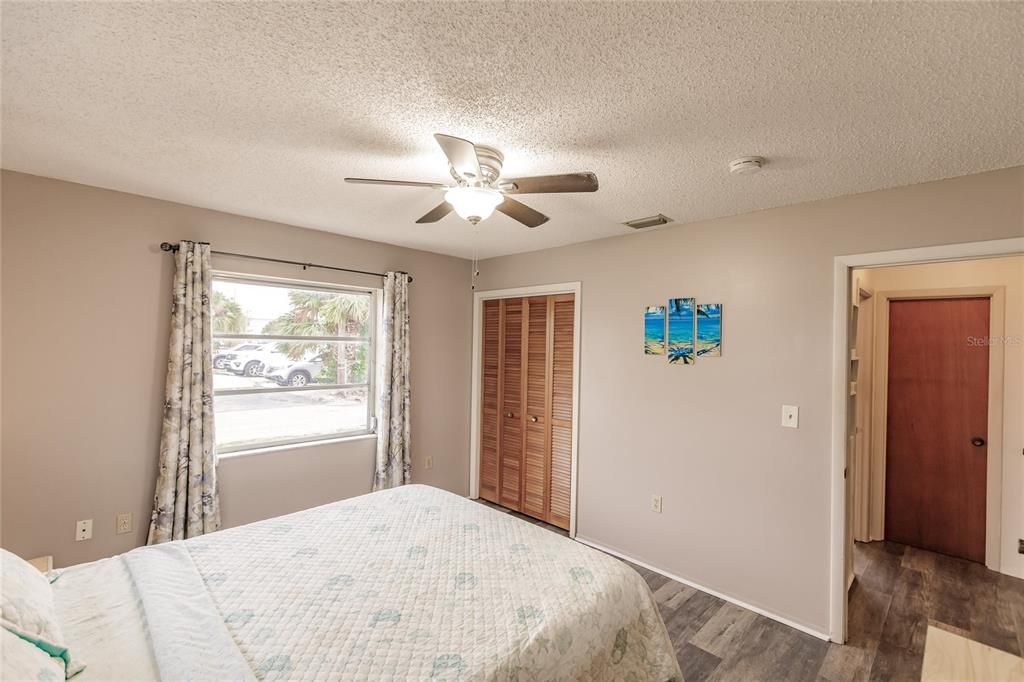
{"x":563,"y":321}
{"x":489,"y":400}
{"x":510,"y":454}
{"x":535,"y":416}
{"x":935,"y":476}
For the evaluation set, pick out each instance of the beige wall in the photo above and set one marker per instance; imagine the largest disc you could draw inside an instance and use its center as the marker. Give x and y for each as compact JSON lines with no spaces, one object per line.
{"x":746,"y":502}
{"x":991,"y":272}
{"x":85,"y":325}
{"x":746,"y":505}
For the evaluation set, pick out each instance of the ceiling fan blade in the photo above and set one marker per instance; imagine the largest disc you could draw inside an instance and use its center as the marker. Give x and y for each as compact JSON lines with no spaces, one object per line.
{"x":545,"y":184}
{"x":397,"y":183}
{"x":461,"y":155}
{"x":521,"y":212}
{"x":436,"y":213}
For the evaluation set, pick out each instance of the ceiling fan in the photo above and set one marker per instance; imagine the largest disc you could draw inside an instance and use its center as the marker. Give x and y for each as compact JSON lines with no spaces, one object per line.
{"x":479,"y":188}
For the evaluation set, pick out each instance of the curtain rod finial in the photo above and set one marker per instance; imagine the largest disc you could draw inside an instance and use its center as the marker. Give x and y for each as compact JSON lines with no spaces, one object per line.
{"x":167,"y":246}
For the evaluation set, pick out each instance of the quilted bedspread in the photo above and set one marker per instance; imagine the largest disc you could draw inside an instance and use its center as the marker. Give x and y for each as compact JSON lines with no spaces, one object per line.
{"x":412,"y":583}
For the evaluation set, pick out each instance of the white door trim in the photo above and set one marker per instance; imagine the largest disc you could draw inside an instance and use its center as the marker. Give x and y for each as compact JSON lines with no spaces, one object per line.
{"x":474,"y":419}
{"x":840,"y":388}
{"x":880,"y":399}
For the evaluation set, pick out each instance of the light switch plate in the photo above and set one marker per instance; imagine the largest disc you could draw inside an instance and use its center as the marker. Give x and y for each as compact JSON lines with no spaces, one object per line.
{"x":791,"y":416}
{"x":428,"y":463}
{"x":656,"y":504}
{"x":83,"y":530}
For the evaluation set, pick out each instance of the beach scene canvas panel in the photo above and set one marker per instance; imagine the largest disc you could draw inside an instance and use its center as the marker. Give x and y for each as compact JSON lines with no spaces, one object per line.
{"x":680,"y":330}
{"x":654,"y":330}
{"x":709,"y":330}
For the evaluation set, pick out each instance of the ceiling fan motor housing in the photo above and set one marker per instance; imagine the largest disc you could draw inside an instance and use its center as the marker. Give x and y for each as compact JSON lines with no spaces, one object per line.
{"x":491,"y":161}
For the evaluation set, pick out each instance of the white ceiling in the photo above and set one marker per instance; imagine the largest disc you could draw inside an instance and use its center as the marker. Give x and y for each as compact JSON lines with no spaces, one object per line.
{"x":262,"y":108}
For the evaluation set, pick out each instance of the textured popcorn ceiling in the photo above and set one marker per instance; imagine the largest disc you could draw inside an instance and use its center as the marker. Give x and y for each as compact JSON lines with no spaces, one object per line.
{"x":262,"y":108}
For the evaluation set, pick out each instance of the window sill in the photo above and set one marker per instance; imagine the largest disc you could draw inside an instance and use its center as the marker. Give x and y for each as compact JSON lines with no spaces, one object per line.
{"x":295,"y":446}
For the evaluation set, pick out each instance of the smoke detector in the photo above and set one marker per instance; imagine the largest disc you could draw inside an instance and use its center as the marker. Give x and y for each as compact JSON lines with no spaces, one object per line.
{"x":746,"y":165}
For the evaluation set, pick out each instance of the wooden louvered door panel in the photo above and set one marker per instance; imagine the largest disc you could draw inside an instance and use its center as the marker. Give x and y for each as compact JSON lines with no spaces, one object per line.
{"x":510,"y":454}
{"x":535,"y":453}
{"x":561,"y":357}
{"x":489,"y":400}
{"x":526,"y":405}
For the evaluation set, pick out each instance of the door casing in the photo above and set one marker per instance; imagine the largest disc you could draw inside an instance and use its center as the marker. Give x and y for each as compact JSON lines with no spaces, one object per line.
{"x":474,"y":430}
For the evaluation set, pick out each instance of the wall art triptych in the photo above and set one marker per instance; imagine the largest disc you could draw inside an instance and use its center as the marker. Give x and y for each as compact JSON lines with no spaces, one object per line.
{"x":684,"y":330}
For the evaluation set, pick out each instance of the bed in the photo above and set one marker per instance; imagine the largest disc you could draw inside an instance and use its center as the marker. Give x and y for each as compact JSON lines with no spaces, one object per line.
{"x":409,"y":583}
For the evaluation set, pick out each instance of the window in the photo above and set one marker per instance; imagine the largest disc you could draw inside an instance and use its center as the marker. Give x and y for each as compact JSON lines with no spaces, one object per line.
{"x":292,"y":363}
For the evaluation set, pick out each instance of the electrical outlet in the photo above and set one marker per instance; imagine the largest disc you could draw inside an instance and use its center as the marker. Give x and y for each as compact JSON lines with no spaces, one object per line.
{"x":791,"y":416}
{"x":429,"y":463}
{"x":83,"y":530}
{"x":656,"y":504}
{"x":124,"y":523}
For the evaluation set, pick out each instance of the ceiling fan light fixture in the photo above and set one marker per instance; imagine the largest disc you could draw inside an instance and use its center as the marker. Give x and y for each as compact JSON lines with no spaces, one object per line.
{"x":480,"y":188}
{"x":473,"y":203}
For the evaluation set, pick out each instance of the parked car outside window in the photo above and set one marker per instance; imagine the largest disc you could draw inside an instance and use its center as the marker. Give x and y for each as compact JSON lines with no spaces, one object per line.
{"x":250,"y":363}
{"x":221,"y":359}
{"x":287,"y":372}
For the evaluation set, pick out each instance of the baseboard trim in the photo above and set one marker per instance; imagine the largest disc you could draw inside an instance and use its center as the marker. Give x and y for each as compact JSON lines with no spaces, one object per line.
{"x":702,"y":588}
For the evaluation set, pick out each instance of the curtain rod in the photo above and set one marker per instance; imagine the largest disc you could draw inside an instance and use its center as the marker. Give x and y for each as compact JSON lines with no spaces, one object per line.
{"x":167,"y":246}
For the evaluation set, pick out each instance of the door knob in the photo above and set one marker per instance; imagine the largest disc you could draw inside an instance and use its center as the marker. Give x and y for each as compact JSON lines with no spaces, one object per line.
{"x":533,"y":418}
{"x":977,"y":441}
{"x":509,"y":415}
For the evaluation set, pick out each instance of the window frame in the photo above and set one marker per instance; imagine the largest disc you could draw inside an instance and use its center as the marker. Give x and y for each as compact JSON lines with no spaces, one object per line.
{"x":371,"y":359}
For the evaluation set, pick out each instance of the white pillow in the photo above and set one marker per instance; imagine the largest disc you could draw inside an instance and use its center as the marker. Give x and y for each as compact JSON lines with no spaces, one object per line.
{"x":27,"y":610}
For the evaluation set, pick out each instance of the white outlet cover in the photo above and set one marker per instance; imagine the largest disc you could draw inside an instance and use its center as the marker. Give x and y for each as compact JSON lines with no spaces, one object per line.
{"x":791,"y":416}
{"x":83,"y":530}
{"x":656,"y":503}
{"x":123,"y":523}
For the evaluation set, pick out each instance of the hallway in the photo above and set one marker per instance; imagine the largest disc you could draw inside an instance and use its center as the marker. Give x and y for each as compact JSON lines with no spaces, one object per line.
{"x":900,"y":590}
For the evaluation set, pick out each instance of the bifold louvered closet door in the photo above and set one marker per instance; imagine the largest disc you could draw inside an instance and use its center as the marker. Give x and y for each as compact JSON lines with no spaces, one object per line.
{"x":526,"y":405}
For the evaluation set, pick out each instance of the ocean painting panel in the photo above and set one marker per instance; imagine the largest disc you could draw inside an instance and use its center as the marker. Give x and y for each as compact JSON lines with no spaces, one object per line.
{"x":654,"y":330}
{"x":709,"y":330}
{"x":680,"y":330}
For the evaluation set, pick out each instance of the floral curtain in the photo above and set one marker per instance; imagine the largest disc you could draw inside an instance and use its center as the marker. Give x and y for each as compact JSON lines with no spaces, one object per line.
{"x":394,"y":462}
{"x":185,"y":503}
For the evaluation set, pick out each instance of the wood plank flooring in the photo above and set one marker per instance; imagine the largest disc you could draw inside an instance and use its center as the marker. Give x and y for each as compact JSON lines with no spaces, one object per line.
{"x":898,"y":592}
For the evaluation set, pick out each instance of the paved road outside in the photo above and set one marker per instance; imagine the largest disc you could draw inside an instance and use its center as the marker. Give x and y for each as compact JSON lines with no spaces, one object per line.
{"x":258,"y":417}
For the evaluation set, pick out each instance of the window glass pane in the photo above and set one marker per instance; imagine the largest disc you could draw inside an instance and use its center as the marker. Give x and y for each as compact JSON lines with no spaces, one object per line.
{"x":280,"y":415}
{"x":262,"y":418}
{"x":290,"y":363}
{"x":249,"y":308}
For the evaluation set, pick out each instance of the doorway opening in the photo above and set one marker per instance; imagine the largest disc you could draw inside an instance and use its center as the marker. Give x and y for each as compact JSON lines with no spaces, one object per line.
{"x":930,"y":482}
{"x":927,"y":368}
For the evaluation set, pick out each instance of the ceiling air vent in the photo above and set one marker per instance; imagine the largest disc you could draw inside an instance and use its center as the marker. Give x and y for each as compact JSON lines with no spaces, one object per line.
{"x":643,"y":223}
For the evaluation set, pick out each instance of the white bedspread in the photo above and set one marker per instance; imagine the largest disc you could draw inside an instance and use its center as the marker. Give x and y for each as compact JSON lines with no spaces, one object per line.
{"x":410,"y":583}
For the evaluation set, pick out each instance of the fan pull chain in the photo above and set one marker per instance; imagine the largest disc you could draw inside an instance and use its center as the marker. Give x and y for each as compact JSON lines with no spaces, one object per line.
{"x":476,"y":261}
